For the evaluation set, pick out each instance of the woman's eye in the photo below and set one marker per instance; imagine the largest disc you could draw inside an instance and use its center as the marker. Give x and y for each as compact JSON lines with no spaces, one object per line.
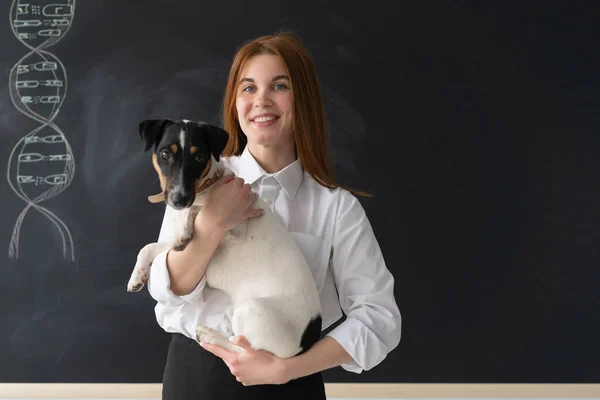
{"x":165,"y":154}
{"x":279,"y":86}
{"x":199,"y":158}
{"x":248,"y":89}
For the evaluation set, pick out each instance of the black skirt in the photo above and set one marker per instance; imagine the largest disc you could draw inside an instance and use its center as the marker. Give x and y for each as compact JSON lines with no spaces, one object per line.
{"x":194,"y":373}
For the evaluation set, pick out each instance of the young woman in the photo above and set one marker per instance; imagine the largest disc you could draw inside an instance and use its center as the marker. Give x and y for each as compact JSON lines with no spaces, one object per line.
{"x":274,"y":114}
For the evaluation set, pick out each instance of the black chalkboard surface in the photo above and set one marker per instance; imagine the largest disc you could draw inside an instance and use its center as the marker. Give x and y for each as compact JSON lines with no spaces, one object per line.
{"x":475,"y":126}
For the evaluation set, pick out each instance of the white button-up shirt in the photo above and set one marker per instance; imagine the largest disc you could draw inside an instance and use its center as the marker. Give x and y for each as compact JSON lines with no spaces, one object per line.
{"x":332,"y":230}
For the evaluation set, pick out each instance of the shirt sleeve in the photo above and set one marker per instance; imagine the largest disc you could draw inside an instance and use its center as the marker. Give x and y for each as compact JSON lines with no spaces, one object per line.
{"x":365,"y":288}
{"x":159,"y":282}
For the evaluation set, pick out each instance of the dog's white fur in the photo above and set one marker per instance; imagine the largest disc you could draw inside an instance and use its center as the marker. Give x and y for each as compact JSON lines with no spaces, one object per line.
{"x":273,"y":293}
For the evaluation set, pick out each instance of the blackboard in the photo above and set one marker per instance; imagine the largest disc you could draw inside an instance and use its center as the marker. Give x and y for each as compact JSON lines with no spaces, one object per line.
{"x":474,"y":125}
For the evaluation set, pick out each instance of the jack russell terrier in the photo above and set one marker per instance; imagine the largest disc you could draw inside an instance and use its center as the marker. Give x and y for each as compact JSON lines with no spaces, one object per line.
{"x":275,"y":300}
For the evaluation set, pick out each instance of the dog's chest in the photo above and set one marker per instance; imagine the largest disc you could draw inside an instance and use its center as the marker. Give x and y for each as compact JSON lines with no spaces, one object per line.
{"x":183,"y":223}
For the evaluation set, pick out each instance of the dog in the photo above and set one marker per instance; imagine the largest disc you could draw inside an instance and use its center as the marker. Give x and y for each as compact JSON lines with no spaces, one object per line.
{"x":274,"y":296}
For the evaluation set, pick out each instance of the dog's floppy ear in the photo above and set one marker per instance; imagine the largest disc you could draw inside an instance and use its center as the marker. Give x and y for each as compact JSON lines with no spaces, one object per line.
{"x":216,"y":138}
{"x":151,"y":130}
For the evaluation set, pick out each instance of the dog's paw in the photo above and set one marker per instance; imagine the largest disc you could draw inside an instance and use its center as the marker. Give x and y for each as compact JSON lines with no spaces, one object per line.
{"x":138,"y":279}
{"x":136,"y":284}
{"x":205,"y":334}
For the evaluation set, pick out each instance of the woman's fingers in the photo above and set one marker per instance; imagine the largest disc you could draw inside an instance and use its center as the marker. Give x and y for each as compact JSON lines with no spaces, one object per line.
{"x":252,"y":197}
{"x":224,"y":179}
{"x":254,"y":212}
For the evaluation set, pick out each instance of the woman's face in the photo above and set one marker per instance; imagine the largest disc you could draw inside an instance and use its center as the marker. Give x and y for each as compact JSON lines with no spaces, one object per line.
{"x":264,"y":102}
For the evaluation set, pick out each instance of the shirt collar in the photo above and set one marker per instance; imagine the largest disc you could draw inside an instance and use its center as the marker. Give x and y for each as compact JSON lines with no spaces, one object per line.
{"x":289,"y":178}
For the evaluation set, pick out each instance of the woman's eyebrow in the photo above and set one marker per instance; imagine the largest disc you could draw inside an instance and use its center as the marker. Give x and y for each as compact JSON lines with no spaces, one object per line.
{"x":275,"y":78}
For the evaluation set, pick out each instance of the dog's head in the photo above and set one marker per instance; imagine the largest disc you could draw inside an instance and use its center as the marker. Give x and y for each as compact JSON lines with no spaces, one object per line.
{"x":185,"y":155}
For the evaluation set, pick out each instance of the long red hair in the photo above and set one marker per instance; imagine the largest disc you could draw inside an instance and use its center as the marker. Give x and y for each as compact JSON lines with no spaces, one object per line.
{"x":310,"y":134}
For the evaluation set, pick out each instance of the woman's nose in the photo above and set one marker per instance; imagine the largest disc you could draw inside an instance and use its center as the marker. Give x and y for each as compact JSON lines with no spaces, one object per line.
{"x":263,"y":98}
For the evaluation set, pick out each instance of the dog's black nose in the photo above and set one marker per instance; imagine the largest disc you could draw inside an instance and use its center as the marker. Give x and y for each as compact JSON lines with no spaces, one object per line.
{"x":180,"y":200}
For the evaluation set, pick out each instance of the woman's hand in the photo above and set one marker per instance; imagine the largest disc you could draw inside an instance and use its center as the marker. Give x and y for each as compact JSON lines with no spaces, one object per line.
{"x":228,"y":204}
{"x":251,"y":367}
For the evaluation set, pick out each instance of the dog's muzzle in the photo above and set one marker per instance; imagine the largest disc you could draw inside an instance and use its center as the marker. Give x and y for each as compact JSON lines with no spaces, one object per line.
{"x":179,"y":199}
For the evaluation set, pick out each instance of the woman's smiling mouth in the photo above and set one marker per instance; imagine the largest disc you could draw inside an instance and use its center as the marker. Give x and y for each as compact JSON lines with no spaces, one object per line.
{"x":264,"y":119}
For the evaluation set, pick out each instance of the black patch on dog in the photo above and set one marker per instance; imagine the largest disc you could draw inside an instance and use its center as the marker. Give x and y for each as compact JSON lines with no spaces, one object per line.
{"x":216,"y":138}
{"x":311,"y":334}
{"x":151,"y":131}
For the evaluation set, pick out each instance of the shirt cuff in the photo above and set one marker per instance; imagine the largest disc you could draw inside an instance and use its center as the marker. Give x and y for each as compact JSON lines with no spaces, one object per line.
{"x":159,"y":284}
{"x":350,"y":335}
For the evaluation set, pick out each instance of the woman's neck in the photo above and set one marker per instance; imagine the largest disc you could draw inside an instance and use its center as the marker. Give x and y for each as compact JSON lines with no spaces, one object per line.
{"x":272,"y":159}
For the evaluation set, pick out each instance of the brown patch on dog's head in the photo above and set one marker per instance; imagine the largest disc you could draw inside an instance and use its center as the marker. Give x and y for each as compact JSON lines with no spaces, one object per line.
{"x":163,"y":180}
{"x":174,"y":148}
{"x":193,"y":150}
{"x":200,"y":185}
{"x":206,"y":169}
{"x":157,"y":198}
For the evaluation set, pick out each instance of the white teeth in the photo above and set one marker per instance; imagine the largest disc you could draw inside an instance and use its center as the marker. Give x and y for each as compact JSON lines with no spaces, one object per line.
{"x":263,"y":119}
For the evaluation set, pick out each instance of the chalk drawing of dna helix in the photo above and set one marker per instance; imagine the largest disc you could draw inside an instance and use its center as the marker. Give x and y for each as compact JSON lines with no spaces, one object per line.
{"x":41,"y":164}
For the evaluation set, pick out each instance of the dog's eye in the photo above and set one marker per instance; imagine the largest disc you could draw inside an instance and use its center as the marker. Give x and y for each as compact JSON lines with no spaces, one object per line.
{"x":165,"y":154}
{"x":199,"y":158}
